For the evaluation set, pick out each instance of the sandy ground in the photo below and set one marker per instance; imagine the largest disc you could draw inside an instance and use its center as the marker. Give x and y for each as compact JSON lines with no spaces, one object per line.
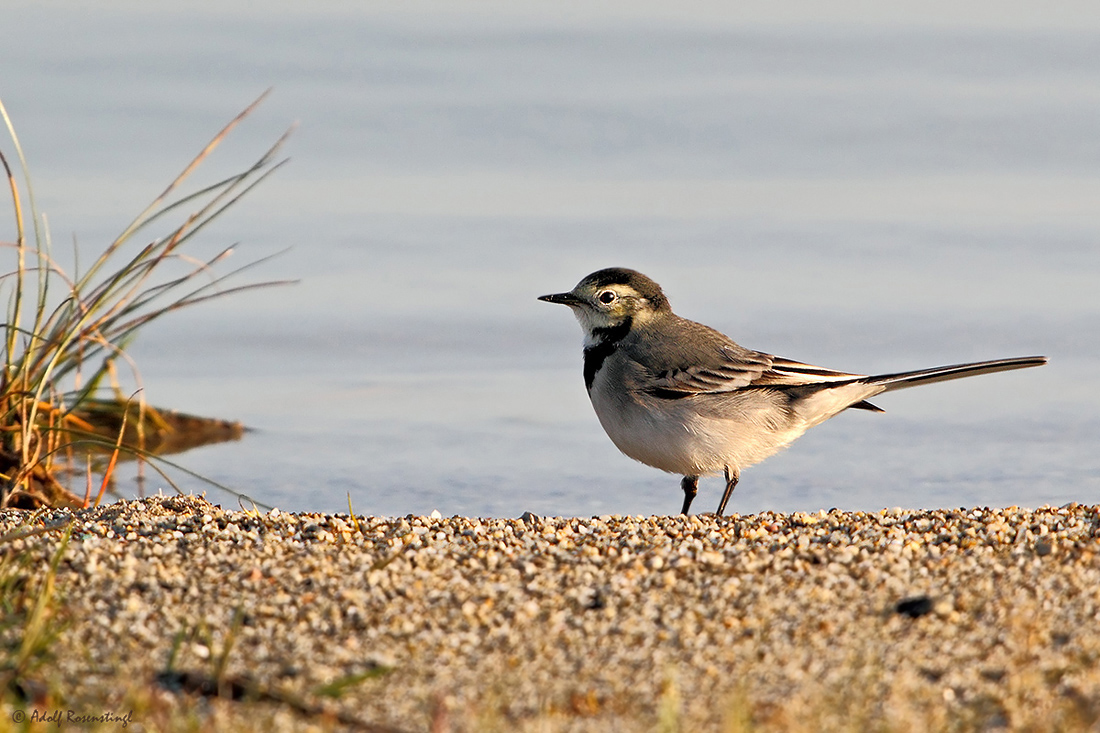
{"x":183,"y":616}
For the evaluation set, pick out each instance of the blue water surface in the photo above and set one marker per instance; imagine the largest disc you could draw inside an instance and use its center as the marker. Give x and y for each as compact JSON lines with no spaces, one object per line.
{"x":868,"y":192}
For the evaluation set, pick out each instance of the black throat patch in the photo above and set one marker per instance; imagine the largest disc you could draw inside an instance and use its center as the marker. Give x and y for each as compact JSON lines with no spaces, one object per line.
{"x":607,"y":340}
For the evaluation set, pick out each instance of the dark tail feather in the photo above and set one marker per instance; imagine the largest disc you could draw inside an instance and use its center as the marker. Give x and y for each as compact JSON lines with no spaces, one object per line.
{"x":956,"y":371}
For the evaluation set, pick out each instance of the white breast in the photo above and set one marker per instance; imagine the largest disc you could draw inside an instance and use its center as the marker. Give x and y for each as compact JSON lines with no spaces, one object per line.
{"x":678,"y":437}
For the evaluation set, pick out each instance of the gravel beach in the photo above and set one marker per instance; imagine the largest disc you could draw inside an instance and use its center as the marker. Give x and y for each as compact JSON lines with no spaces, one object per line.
{"x":185,"y":616}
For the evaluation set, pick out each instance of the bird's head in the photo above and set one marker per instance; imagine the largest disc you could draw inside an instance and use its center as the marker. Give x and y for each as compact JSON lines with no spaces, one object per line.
{"x":612,"y":298}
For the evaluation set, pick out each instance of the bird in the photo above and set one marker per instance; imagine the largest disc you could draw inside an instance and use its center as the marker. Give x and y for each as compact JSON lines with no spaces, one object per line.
{"x":682,"y":397}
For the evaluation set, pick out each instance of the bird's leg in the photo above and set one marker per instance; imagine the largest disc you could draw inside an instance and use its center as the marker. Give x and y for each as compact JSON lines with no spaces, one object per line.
{"x":690,"y":485}
{"x":731,"y":483}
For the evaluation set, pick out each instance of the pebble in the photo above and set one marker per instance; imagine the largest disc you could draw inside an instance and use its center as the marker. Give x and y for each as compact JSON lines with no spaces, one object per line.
{"x":986,"y":616}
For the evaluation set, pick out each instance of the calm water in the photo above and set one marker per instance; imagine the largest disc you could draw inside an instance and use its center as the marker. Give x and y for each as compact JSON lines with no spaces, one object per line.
{"x":869,"y":193}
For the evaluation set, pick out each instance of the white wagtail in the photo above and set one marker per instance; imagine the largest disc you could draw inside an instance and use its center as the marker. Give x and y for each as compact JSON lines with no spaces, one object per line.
{"x":679,"y":396}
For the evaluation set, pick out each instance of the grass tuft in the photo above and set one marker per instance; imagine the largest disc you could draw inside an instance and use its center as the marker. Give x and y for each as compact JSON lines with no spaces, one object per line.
{"x":65,"y":334}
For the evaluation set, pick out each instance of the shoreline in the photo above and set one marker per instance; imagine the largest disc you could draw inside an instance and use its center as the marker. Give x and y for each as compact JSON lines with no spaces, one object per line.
{"x":902,"y":619}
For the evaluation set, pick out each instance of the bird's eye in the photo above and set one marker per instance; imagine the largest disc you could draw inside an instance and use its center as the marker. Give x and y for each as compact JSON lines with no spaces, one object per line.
{"x":607,"y":296}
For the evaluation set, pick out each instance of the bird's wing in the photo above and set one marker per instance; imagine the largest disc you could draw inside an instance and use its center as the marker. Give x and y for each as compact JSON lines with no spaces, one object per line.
{"x":730,"y":371}
{"x":790,"y":373}
{"x":787,"y":372}
{"x":734,"y":368}
{"x":685,"y":358}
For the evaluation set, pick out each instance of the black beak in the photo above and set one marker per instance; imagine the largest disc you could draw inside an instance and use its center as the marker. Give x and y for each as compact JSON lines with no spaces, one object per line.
{"x":563,"y":298}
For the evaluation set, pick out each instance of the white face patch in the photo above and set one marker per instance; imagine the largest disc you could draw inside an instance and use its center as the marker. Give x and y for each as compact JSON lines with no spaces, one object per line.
{"x":590,"y":320}
{"x":595,"y":314}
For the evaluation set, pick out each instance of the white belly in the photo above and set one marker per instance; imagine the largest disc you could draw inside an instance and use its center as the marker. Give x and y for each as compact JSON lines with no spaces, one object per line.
{"x":673,"y":436}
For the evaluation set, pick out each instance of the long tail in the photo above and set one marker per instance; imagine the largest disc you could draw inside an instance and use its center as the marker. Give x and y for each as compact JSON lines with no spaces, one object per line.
{"x":956,"y":371}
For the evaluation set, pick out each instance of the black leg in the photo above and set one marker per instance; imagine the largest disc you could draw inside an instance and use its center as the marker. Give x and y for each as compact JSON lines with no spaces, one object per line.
{"x":690,"y":485}
{"x":731,"y":483}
